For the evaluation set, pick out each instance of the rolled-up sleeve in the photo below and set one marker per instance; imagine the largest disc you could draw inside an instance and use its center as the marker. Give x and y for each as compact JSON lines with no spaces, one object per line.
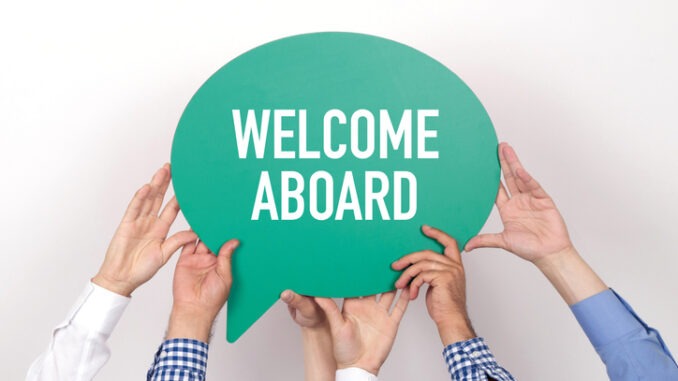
{"x":179,"y":360}
{"x":471,"y":360}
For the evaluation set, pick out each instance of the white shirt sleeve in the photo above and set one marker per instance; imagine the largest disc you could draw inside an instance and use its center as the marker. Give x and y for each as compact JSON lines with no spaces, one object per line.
{"x":354,"y":374}
{"x":78,"y":348}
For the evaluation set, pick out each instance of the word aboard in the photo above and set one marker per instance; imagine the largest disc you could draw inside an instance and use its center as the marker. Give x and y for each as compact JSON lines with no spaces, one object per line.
{"x":390,"y":139}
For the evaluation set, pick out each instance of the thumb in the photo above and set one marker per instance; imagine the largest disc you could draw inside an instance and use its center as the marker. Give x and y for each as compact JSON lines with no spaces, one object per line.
{"x":303,"y":304}
{"x":225,"y":256}
{"x":486,"y":240}
{"x":331,"y":311}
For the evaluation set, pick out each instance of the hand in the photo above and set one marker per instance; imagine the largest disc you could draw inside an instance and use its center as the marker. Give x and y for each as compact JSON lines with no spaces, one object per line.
{"x":533,"y":227}
{"x":140,"y":246}
{"x":304,"y":310}
{"x":446,"y":295}
{"x":319,"y":363}
{"x":363,"y":332}
{"x":535,"y":231}
{"x":202,"y":283}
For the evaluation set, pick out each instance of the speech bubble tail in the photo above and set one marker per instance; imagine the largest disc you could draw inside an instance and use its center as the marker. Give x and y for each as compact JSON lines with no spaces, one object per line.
{"x":246,"y":304}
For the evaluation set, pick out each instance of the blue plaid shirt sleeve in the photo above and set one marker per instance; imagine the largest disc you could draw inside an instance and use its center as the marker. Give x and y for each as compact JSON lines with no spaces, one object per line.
{"x":179,"y":360}
{"x":471,"y":360}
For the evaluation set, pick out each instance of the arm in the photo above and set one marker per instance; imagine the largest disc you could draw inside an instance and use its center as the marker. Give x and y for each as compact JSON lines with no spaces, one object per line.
{"x":363,"y":332}
{"x":467,"y":356}
{"x":535,"y":231}
{"x":139,"y":248}
{"x":202,"y":283}
{"x":319,"y":362}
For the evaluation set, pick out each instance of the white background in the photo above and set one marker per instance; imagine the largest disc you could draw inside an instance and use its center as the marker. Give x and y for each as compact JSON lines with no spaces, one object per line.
{"x":90,"y":95}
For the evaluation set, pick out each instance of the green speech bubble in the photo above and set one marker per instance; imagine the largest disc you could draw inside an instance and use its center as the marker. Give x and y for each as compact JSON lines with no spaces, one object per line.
{"x":324,"y":153}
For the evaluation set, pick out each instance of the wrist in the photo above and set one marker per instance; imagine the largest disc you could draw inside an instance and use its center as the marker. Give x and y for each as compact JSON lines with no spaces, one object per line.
{"x":319,"y":334}
{"x":118,"y":287}
{"x":455,"y":330}
{"x":372,"y":369}
{"x":188,"y":323}
{"x":570,"y":275}
{"x":554,"y":261}
{"x":319,"y":362}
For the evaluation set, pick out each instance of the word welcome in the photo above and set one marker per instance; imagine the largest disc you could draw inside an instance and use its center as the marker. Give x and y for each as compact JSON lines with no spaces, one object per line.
{"x":258,"y":132}
{"x":379,"y":136}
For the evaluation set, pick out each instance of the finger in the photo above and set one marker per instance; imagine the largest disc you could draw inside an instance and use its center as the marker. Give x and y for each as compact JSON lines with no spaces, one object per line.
{"x":170,"y":212}
{"x":370,"y":297}
{"x":164,"y":182}
{"x":425,"y":277}
{"x":225,"y":257}
{"x":155,"y":183}
{"x":502,"y":196}
{"x":331,"y":311}
{"x":416,"y":269}
{"x":413,"y":258}
{"x":188,"y":249}
{"x":177,"y":240}
{"x":509,"y":178}
{"x":202,"y":248}
{"x":531,"y":185}
{"x":449,"y":243}
{"x":516,"y":169}
{"x":486,"y":240}
{"x":304,"y":304}
{"x":134,"y":208}
{"x":350,"y":304}
{"x":401,"y":306}
{"x":386,"y":299}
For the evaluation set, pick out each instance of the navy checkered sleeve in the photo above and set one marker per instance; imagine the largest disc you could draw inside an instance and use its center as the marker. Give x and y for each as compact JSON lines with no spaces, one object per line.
{"x":471,"y":360}
{"x":179,"y":360}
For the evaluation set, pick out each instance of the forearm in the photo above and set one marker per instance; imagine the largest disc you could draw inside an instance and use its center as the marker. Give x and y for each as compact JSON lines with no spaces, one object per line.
{"x":186,"y":324}
{"x":455,"y":330}
{"x":571,"y":276}
{"x":319,"y":363}
{"x":629,"y":347}
{"x":179,"y":360}
{"x":73,"y":354}
{"x":187,"y":338}
{"x":472,"y":360}
{"x":78,"y":347}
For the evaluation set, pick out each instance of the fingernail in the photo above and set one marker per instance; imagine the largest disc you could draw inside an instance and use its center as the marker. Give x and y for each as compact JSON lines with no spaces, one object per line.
{"x":286,"y":296}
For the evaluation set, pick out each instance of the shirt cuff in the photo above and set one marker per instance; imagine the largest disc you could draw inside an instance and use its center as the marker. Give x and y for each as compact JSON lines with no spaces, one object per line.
{"x":98,"y":309}
{"x":180,"y":356}
{"x":354,"y":374}
{"x":605,"y":317}
{"x":472,"y":360}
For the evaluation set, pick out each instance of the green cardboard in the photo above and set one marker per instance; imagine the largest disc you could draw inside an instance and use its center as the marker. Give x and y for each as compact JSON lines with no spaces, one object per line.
{"x":330,"y":254}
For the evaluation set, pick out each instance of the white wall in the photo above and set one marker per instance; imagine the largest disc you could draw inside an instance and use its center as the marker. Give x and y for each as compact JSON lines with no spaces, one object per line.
{"x":90,"y":95}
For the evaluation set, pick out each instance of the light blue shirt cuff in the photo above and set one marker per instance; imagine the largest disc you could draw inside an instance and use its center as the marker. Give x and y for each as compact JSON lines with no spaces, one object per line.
{"x":605,"y":318}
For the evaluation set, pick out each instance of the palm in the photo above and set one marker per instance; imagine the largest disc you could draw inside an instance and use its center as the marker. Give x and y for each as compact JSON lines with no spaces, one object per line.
{"x":198,"y":281}
{"x":142,"y":239}
{"x":532,"y":226}
{"x":140,"y":246}
{"x":367,"y":334}
{"x":364,"y":331}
